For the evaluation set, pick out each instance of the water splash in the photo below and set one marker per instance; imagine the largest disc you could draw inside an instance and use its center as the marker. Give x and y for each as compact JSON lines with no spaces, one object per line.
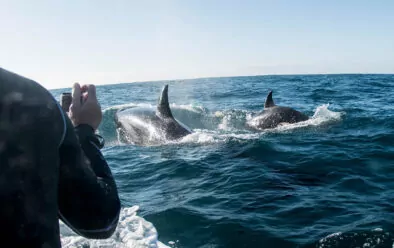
{"x":218,"y":127}
{"x":189,"y":107}
{"x":107,"y":128}
{"x":233,"y":120}
{"x":154,"y":136}
{"x":132,"y":231}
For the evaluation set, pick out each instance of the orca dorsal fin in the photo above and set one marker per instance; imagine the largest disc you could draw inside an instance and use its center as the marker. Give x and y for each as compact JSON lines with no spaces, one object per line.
{"x":269,"y":102}
{"x":163,"y":106}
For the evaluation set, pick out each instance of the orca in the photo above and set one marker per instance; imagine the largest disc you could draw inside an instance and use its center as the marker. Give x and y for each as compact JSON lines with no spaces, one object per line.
{"x":146,"y":126}
{"x":273,"y":116}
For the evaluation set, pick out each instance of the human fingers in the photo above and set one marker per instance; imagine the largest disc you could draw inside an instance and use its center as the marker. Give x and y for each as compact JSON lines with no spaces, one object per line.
{"x":76,"y":95}
{"x":92,"y":92}
{"x":84,"y":93}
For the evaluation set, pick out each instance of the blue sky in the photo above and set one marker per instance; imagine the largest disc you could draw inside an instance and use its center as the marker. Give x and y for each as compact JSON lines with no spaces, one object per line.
{"x":60,"y":42}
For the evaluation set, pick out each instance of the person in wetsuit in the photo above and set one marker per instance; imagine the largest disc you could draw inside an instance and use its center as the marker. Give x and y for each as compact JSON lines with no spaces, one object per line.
{"x":51,"y":166}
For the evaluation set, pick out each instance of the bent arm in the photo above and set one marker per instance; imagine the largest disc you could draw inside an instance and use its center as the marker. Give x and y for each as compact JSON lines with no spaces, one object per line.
{"x":88,"y":198}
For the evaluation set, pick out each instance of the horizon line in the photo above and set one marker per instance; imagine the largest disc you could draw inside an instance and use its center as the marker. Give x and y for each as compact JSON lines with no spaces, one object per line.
{"x":235,"y":76}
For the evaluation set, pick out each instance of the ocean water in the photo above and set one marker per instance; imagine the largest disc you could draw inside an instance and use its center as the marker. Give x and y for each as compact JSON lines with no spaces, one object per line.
{"x":326,"y":182}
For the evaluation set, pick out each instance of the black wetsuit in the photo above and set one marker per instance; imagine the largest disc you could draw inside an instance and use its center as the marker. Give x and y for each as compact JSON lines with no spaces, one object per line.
{"x":49,"y":170}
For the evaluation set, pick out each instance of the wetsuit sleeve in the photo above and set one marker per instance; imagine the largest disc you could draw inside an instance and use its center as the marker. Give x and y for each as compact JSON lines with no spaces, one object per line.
{"x":88,"y":198}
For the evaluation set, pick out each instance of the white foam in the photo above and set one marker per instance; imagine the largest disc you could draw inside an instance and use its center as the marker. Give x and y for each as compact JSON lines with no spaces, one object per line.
{"x":212,"y":137}
{"x":226,"y":123}
{"x":200,"y":137}
{"x":128,"y":105}
{"x":219,"y":114}
{"x":189,"y":107}
{"x":132,"y":231}
{"x":232,"y":120}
